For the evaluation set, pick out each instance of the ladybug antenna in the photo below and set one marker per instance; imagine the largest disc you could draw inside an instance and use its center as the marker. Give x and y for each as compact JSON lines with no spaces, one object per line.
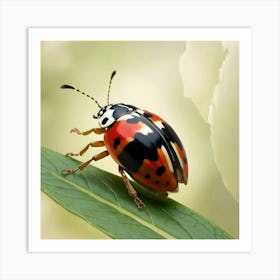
{"x":77,"y":90}
{"x":108,"y":94}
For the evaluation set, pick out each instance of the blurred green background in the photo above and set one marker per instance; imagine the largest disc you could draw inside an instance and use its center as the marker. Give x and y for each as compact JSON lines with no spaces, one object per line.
{"x":194,"y":86}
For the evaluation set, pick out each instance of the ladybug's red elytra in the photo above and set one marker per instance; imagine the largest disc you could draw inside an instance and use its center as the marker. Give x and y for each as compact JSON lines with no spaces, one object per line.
{"x":142,"y":144}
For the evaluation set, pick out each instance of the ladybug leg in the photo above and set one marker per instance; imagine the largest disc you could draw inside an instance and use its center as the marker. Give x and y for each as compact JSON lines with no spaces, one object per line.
{"x":92,"y":144}
{"x":85,"y":164}
{"x":97,"y":130}
{"x":132,"y":192}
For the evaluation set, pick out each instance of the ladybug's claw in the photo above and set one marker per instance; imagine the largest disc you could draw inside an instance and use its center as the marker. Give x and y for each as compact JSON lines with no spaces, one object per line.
{"x":72,"y":155}
{"x":75,"y":130}
{"x":67,"y":171}
{"x":139,"y":203}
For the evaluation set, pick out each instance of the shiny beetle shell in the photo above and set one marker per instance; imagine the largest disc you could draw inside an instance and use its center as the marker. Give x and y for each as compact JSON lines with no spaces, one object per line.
{"x":145,"y":146}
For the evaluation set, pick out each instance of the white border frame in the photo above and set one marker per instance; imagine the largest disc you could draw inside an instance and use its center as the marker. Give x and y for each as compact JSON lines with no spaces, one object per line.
{"x":262,"y":262}
{"x":243,"y":36}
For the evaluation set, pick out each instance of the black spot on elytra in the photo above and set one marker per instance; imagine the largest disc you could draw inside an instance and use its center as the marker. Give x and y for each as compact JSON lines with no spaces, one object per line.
{"x":167,"y":183}
{"x":117,"y":142}
{"x":160,"y":170}
{"x":142,"y":147}
{"x":157,"y":182}
{"x":148,"y":176}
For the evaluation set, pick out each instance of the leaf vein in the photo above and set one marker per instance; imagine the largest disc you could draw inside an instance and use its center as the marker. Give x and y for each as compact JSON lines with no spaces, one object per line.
{"x":172,"y":218}
{"x":138,"y":219}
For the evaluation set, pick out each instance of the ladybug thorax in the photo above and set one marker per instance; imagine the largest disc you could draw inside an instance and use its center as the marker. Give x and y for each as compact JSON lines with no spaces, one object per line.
{"x":109,"y":114}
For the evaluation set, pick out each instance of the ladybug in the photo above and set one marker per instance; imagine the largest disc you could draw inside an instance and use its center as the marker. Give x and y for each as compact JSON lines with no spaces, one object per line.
{"x":142,"y":144}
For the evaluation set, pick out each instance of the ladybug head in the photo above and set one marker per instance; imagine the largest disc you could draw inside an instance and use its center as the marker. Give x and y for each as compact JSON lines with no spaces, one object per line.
{"x":108,"y":114}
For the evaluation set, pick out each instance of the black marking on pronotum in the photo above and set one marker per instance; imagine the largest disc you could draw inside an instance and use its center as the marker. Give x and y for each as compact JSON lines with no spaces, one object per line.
{"x":120,"y":110}
{"x":104,"y":120}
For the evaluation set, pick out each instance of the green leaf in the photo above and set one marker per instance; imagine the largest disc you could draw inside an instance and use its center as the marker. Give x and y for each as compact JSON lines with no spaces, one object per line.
{"x":101,"y":199}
